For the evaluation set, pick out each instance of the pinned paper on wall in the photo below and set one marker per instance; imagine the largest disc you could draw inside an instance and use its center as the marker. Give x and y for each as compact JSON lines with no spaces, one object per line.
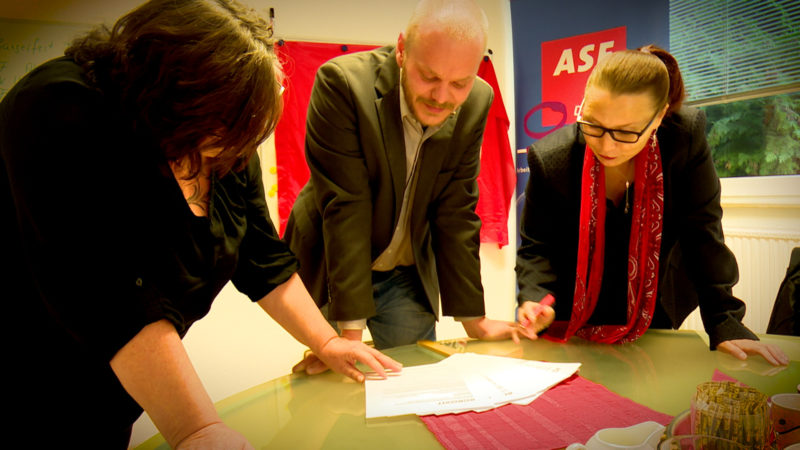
{"x":25,"y":44}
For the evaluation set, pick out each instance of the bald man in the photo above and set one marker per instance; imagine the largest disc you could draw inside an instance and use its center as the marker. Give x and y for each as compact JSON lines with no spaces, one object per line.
{"x":386,"y":224}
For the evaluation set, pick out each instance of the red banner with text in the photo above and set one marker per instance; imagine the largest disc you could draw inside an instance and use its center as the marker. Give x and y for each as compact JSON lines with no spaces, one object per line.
{"x":566,"y":65}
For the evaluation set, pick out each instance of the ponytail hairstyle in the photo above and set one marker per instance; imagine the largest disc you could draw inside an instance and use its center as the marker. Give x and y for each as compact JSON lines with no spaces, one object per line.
{"x":650,"y":69}
{"x":677,"y":91}
{"x":190,"y":75}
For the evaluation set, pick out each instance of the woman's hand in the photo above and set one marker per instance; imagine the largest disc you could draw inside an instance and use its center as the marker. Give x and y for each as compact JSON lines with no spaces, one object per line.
{"x":292,"y":307}
{"x":341,"y":355}
{"x":535,"y":316}
{"x":740,"y":348}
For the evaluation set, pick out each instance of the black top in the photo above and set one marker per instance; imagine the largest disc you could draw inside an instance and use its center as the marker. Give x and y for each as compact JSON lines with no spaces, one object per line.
{"x":695,"y":266}
{"x":611,"y":309}
{"x":612,"y":306}
{"x":100,"y":242}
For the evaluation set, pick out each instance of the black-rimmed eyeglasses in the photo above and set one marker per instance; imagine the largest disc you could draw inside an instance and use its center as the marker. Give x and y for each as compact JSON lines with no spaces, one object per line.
{"x":624,"y":136}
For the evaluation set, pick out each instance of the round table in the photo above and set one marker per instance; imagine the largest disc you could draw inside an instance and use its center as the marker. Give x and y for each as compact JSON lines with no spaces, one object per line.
{"x":660,"y":370}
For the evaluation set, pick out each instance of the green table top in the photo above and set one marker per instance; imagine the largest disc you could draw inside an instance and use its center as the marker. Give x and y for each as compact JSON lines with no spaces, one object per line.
{"x":660,"y":370}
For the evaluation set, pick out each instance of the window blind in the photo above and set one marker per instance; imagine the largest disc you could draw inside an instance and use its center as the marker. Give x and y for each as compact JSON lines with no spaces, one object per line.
{"x":730,"y":47}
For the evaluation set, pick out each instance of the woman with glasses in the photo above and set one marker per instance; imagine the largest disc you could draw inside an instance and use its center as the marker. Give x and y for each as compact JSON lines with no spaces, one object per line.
{"x":622,"y":219}
{"x":130,"y":194}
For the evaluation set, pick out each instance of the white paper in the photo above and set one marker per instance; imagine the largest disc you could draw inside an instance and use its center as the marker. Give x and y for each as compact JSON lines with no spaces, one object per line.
{"x":463,"y":382}
{"x":417,"y":390}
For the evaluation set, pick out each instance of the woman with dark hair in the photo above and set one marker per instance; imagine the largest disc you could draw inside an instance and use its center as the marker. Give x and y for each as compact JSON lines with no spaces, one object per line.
{"x":622,"y":217}
{"x":131,"y":194}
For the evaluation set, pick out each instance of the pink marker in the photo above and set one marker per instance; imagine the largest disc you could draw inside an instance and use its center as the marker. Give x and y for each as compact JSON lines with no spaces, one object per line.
{"x":548,"y":300}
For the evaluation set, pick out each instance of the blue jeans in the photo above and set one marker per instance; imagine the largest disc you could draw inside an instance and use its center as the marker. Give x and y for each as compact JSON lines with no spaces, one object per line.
{"x":402,"y":312}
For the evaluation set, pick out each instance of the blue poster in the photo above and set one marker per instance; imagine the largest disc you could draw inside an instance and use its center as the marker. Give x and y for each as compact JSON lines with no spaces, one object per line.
{"x":535,"y":22}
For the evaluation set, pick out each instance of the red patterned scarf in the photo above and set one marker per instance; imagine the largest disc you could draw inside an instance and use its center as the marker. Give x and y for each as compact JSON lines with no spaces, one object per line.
{"x":643,"y":250}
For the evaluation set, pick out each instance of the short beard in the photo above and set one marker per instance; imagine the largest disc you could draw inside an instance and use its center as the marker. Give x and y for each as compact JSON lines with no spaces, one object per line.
{"x":410,"y":99}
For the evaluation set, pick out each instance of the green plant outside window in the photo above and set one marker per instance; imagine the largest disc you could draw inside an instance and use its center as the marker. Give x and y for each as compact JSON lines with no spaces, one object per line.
{"x":755,"y":137}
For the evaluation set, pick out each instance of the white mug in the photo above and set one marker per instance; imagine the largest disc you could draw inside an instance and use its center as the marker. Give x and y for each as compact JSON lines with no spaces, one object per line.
{"x":642,"y":436}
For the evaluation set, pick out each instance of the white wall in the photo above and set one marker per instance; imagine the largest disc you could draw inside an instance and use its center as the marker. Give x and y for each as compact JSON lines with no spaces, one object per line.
{"x":238,"y":346}
{"x":761,"y":222}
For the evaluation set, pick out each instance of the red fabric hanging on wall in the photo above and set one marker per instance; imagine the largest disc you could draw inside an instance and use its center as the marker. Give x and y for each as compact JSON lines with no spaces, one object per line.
{"x":498,"y":177}
{"x":300,"y":63}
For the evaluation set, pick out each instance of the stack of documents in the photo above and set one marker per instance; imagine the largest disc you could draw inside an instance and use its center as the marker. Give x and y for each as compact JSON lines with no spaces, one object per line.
{"x":463,"y":382}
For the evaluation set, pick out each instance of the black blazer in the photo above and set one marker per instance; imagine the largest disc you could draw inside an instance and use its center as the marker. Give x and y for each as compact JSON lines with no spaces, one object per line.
{"x":696,"y":268}
{"x":346,"y":214}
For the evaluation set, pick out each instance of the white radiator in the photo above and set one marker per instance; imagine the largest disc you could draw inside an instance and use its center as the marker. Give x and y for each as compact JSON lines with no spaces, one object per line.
{"x":763,"y":258}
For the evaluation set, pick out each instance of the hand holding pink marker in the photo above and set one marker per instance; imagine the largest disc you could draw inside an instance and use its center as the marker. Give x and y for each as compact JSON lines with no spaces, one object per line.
{"x":548,"y":300}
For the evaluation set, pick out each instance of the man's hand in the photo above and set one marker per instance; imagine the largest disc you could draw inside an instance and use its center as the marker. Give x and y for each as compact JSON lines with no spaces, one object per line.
{"x":495,"y":330}
{"x":353,"y":335}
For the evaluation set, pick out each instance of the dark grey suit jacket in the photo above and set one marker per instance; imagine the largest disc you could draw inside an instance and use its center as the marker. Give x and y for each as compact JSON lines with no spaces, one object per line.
{"x":696,"y":268}
{"x":346,"y":214}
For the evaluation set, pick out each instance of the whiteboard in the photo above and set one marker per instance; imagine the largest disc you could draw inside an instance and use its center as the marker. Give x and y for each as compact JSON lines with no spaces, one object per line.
{"x":24,"y":44}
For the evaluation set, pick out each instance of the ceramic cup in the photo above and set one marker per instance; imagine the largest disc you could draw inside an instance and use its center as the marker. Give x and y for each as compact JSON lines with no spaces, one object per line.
{"x":642,"y":436}
{"x":784,"y":413}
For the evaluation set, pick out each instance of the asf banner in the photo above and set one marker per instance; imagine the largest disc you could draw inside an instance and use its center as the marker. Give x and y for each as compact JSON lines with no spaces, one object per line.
{"x":566,"y":65}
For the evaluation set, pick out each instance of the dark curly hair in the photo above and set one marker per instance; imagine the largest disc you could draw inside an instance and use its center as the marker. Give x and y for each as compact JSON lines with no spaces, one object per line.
{"x":191,"y":74}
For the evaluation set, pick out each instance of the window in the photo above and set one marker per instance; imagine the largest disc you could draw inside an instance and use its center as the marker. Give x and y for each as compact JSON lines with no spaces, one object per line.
{"x":759,"y":136}
{"x":741,"y":64}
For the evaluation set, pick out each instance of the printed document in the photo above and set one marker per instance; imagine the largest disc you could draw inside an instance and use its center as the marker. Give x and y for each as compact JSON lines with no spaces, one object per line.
{"x":463,"y":382}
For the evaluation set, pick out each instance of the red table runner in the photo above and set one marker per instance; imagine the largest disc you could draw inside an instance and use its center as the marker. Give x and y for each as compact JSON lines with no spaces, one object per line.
{"x":569,"y":412}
